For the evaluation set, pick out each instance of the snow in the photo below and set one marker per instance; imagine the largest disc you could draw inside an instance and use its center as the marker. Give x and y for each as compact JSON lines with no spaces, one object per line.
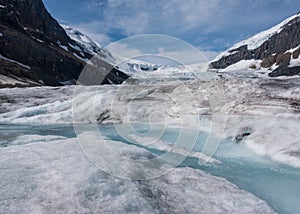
{"x":4,"y":80}
{"x":224,"y":54}
{"x":14,"y":81}
{"x":41,"y":41}
{"x":292,"y":50}
{"x":84,"y":43}
{"x":1,"y":34}
{"x":83,"y":59}
{"x":294,"y":62}
{"x":1,"y":6}
{"x":13,"y":61}
{"x":257,"y":40}
{"x":82,"y":39}
{"x":64,"y":47}
{"x":242,"y":65}
{"x":75,"y":47}
{"x":56,"y":175}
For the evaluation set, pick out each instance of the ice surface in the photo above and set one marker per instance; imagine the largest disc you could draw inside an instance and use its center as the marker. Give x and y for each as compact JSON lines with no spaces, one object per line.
{"x":56,"y":177}
{"x":165,"y":146}
{"x":27,"y":139}
{"x":268,"y":107}
{"x":249,"y":103}
{"x":164,"y":72}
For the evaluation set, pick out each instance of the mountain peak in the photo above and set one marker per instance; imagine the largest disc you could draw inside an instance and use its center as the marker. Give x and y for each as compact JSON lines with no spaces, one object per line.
{"x":30,"y":36}
{"x":271,"y":47}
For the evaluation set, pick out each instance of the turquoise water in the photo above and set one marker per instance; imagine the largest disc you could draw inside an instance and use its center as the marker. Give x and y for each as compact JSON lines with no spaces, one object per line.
{"x":275,"y":183}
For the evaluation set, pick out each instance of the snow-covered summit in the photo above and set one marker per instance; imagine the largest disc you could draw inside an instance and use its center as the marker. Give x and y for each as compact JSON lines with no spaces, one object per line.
{"x":88,"y":45}
{"x":274,"y":52}
{"x":258,"y":39}
{"x":83,"y":40}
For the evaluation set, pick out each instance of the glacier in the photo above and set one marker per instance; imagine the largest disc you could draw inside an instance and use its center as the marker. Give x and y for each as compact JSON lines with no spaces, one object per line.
{"x":45,"y":168}
{"x":261,"y":105}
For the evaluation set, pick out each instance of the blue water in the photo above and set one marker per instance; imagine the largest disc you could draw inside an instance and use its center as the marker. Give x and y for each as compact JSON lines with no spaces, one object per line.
{"x":275,"y":183}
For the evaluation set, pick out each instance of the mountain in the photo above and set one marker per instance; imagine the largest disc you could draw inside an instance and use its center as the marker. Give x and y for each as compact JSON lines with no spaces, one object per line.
{"x":275,"y":50}
{"x":88,"y":45}
{"x":36,"y":50}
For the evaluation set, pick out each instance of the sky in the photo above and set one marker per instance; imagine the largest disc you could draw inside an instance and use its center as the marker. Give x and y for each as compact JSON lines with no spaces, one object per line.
{"x":210,"y":25}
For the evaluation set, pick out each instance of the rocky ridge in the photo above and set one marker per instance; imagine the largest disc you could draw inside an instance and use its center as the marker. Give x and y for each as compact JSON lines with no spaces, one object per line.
{"x":36,"y":50}
{"x":276,"y":49}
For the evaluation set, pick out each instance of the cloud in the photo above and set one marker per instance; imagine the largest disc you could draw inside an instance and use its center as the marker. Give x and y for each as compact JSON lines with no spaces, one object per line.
{"x":123,"y":51}
{"x":93,"y":30}
{"x":189,"y":20}
{"x":150,"y":46}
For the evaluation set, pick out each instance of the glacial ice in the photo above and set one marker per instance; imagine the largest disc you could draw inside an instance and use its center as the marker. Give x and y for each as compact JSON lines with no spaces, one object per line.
{"x":55,"y":176}
{"x":49,"y":172}
{"x":263,"y":105}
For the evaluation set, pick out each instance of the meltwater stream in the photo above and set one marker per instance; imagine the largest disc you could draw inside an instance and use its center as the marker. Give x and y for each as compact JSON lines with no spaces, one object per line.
{"x":275,"y":183}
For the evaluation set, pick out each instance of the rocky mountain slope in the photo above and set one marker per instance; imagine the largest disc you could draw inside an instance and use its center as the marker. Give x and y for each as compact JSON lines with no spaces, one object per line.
{"x":275,"y":50}
{"x":36,"y":50}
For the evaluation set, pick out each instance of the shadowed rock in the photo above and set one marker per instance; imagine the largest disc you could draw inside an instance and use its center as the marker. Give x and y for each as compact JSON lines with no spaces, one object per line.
{"x":30,"y":36}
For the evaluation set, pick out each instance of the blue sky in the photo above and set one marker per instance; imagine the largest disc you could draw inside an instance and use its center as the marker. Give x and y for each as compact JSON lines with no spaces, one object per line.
{"x":210,"y":25}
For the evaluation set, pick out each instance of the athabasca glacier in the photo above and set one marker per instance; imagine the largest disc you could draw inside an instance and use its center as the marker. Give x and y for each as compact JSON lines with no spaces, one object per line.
{"x":261,"y":114}
{"x":259,"y":105}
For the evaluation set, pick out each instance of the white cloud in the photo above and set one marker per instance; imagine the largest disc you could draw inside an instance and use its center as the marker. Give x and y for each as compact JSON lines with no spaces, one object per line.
{"x":180,"y":18}
{"x":123,"y":51}
{"x":161,"y":46}
{"x":136,"y":25}
{"x":136,"y":16}
{"x":185,"y":57}
{"x":93,"y":30}
{"x":210,"y":55}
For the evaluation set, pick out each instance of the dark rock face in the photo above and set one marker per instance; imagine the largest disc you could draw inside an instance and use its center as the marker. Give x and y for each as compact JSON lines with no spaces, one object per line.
{"x":285,"y":71}
{"x":283,"y":59}
{"x":271,"y":51}
{"x":31,"y":36}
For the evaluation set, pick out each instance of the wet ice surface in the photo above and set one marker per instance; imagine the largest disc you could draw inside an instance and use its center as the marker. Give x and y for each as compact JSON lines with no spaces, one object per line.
{"x":44,"y":170}
{"x":50,"y":175}
{"x":56,"y":177}
{"x":259,"y":106}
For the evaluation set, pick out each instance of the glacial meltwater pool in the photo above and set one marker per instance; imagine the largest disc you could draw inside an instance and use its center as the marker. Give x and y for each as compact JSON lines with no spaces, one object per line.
{"x":273,"y":182}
